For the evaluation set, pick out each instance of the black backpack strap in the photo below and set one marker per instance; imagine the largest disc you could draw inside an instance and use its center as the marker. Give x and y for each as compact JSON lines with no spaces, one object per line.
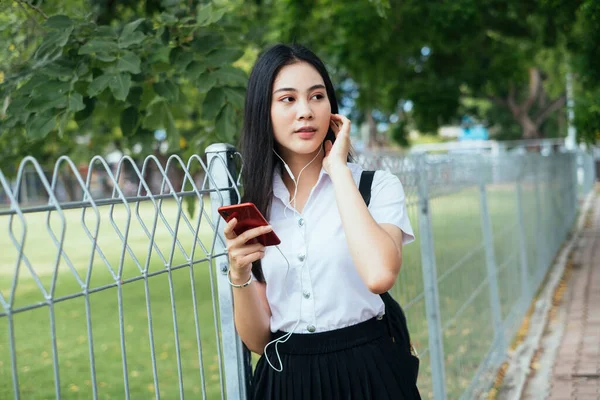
{"x":393,"y":310}
{"x":364,"y":186}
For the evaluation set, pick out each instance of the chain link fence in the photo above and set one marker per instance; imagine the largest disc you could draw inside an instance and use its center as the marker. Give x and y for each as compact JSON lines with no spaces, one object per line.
{"x":112,"y":277}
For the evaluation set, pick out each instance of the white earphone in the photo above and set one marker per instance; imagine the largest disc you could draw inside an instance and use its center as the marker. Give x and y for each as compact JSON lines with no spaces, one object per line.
{"x":296,"y":182}
{"x":287,"y":335}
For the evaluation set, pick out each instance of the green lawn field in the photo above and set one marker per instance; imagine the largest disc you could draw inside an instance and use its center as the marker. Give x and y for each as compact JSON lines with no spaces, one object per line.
{"x":463,"y":290}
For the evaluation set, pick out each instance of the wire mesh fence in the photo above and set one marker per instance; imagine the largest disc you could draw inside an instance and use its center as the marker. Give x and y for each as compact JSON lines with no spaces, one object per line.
{"x":111,"y":293}
{"x":112,"y":276}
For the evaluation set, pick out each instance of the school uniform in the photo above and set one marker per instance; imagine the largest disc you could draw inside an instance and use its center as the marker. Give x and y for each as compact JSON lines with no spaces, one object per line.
{"x":339,"y":348}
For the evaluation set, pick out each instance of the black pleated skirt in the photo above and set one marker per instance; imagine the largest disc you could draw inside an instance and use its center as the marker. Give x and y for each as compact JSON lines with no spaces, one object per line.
{"x":357,"y":362}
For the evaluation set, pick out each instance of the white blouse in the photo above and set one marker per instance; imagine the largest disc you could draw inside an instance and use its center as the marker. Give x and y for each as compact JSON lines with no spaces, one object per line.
{"x":322,"y":287}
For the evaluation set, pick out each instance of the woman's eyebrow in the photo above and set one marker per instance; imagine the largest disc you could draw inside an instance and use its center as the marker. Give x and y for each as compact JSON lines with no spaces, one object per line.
{"x":310,"y":89}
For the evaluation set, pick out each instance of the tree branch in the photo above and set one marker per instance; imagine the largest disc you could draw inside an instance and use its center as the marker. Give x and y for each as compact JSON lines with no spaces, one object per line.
{"x":29,"y":16}
{"x":36,"y":9}
{"x":545,"y":113}
{"x":534,"y":89}
{"x":510,"y":101}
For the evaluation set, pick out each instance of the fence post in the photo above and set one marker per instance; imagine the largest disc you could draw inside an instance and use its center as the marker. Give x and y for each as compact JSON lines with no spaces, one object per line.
{"x":221,"y":166}
{"x":539,"y":241}
{"x":430,"y":283}
{"x":522,"y":240}
{"x":578,"y":195}
{"x":490,"y":262}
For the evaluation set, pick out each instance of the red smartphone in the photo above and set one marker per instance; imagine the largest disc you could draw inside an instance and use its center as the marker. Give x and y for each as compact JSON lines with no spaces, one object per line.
{"x":248,"y":217}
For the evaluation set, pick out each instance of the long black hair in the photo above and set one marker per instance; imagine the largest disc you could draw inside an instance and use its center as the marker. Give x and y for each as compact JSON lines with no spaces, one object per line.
{"x":257,"y":139}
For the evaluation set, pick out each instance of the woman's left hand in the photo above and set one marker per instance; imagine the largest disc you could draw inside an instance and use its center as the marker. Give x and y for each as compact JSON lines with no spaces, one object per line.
{"x":336,"y":154}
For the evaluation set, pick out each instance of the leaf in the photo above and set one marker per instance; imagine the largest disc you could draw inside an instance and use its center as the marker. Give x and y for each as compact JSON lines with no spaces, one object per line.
{"x":154,"y":115}
{"x":213,"y":103}
{"x":159,"y":52}
{"x":208,"y":15}
{"x":76,"y":102}
{"x":98,"y":85}
{"x":129,"y":29}
{"x":106,"y":31}
{"x":62,"y":38}
{"x":230,"y":76}
{"x":168,"y":19}
{"x":223,"y":56}
{"x":55,"y":70}
{"x":226,"y":123}
{"x":190,"y":203}
{"x":32,"y":84}
{"x":62,"y":124}
{"x":82,"y":69}
{"x":180,"y":58}
{"x":119,"y":85}
{"x":98,"y":46}
{"x":59,"y":22}
{"x":106,"y":57}
{"x":205,"y":42}
{"x":90,"y":105}
{"x":172,"y":131}
{"x":195,"y":69}
{"x":235,"y":96}
{"x":164,"y":34}
{"x":52,"y":44}
{"x":50,"y":100}
{"x":40,"y":126}
{"x":204,"y":15}
{"x":49,"y":89}
{"x":129,"y":62}
{"x":166,"y":89}
{"x":131,"y":40}
{"x":129,"y":121}
{"x":17,"y":105}
{"x":135,"y":96}
{"x":206,"y":81}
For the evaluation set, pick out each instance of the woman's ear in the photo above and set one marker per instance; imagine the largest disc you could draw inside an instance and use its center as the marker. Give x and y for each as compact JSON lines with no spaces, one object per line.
{"x":330,"y":136}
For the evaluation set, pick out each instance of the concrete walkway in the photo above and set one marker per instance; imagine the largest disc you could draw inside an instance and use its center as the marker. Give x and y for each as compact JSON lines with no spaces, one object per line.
{"x":567,"y":363}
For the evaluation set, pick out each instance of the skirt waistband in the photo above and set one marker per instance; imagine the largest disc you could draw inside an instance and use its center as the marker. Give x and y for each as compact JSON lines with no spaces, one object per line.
{"x":330,"y":341}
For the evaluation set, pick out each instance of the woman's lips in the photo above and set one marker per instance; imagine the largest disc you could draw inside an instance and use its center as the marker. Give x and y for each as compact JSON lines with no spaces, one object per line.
{"x":306,"y":135}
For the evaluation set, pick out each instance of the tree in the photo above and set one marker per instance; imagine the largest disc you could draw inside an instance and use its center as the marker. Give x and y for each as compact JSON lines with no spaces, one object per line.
{"x":434,"y":53}
{"x":100,"y":80}
{"x":585,"y":60}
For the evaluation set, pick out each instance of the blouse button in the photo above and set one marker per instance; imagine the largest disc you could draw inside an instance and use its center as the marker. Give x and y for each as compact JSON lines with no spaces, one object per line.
{"x":311,"y":328}
{"x":301,"y":257}
{"x":301,"y":222}
{"x":306,"y":294}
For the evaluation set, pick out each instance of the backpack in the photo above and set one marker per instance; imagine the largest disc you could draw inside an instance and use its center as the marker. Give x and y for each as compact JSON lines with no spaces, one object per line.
{"x":396,"y":320}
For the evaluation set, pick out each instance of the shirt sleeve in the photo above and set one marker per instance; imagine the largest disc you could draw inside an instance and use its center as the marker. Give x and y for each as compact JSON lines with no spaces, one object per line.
{"x":388,"y":204}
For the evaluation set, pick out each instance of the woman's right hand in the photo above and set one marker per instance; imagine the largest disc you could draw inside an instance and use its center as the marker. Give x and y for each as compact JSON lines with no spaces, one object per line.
{"x":243,"y":251}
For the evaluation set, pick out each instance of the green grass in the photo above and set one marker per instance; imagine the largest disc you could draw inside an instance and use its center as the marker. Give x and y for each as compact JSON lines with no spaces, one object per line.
{"x":33,"y":332}
{"x":456,"y":231}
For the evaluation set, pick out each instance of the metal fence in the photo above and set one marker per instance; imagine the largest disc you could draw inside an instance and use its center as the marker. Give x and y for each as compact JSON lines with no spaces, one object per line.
{"x":588,"y":165}
{"x":121,"y":292}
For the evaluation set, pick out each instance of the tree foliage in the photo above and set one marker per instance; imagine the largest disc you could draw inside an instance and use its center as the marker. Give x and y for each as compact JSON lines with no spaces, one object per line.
{"x":512,"y":54}
{"x":83,"y":75}
{"x":121,"y":81}
{"x":585,"y":48}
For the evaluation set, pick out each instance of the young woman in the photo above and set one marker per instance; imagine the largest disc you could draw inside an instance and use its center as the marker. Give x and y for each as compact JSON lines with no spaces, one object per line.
{"x":311,"y":306}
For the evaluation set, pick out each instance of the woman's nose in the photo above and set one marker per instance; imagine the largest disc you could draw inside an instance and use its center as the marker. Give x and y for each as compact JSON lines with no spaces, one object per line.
{"x":304,"y":110}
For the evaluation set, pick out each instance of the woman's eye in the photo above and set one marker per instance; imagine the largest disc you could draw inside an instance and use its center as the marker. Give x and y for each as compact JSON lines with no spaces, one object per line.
{"x":318,"y":96}
{"x":287,"y":99}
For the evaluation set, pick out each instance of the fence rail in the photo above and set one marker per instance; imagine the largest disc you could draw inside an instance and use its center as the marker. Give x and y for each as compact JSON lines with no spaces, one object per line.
{"x":112,"y":277}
